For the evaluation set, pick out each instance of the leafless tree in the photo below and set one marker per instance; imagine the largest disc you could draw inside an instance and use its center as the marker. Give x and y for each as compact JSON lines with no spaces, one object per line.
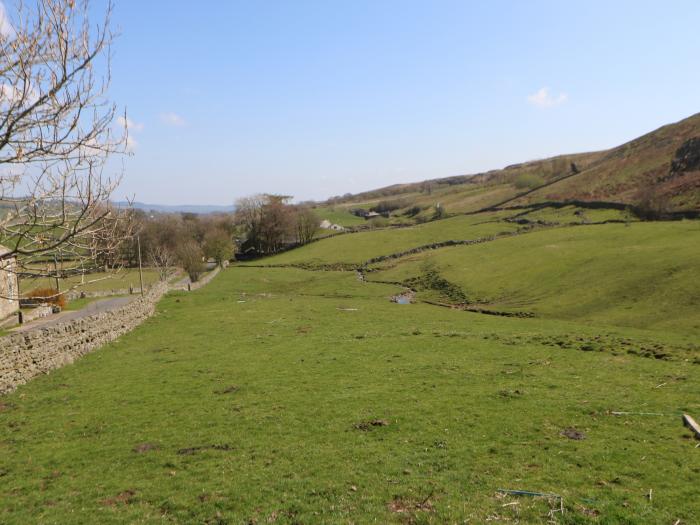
{"x":163,"y":259}
{"x":249,"y":217}
{"x":307,"y":223}
{"x":56,"y":134}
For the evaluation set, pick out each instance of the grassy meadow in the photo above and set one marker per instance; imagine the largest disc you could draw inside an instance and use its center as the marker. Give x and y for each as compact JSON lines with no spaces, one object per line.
{"x":356,"y":248}
{"x":645,"y":275}
{"x":283,"y":395}
{"x":95,"y":282}
{"x":338,"y":215}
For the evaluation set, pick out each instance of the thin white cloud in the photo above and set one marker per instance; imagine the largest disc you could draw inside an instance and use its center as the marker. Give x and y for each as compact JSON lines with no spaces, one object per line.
{"x":130,"y":127}
{"x":542,"y":98}
{"x":172,"y":119}
{"x":127,"y":123}
{"x":131,"y":143}
{"x":6,"y":29}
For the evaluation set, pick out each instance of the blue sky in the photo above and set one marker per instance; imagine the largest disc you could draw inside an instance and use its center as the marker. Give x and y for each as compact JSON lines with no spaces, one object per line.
{"x":318,"y":98}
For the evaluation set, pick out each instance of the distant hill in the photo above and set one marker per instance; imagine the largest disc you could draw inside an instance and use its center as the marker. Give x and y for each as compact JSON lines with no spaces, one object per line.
{"x":663,"y":164}
{"x":179,"y":208}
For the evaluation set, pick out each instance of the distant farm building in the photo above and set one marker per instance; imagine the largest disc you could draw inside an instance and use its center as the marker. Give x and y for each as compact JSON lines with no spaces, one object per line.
{"x":328,"y":225}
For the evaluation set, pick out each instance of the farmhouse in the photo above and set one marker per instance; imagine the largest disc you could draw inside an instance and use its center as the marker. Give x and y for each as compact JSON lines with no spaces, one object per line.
{"x":328,"y":225}
{"x":9,"y":287}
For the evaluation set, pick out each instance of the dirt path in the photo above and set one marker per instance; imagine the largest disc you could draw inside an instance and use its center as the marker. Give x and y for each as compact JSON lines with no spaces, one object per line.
{"x":96,"y":307}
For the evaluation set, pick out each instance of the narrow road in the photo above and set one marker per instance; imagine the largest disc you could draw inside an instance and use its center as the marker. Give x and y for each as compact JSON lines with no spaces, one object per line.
{"x":95,"y":307}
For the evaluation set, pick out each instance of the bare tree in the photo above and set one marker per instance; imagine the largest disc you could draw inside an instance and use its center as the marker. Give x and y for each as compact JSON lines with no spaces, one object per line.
{"x":249,"y":217}
{"x":276,"y":227}
{"x":307,"y":223}
{"x":266,"y":221}
{"x":56,"y":134}
{"x":163,"y":259}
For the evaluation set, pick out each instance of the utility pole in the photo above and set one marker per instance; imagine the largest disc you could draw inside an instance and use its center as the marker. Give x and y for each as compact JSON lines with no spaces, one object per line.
{"x":138,"y":243}
{"x":55,"y":267}
{"x":20,"y":315}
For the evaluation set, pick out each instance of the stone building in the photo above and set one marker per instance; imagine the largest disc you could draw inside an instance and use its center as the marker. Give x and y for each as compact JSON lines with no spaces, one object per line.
{"x":9,"y":286}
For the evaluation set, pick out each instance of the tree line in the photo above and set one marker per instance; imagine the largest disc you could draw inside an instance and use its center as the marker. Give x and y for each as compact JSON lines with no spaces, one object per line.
{"x":268,"y":224}
{"x":261,"y":225}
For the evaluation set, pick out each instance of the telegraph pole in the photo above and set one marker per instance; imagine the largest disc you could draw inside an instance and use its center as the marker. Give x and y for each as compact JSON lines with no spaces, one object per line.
{"x":55,"y":267}
{"x":138,"y":243}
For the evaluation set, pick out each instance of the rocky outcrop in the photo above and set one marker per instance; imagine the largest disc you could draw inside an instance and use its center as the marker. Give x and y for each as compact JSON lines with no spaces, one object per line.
{"x":687,"y":157}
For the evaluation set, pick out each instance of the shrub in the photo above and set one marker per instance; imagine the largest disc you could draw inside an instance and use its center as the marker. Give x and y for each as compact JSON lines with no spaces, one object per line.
{"x":219,"y":246}
{"x":528,"y":180}
{"x":190,"y":256}
{"x":389,"y":206}
{"x":48,"y":295}
{"x":652,"y":205}
{"x":413,"y":211}
{"x":378,"y":222}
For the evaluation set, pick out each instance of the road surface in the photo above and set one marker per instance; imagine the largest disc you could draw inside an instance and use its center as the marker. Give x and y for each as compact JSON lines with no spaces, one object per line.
{"x":95,"y":307}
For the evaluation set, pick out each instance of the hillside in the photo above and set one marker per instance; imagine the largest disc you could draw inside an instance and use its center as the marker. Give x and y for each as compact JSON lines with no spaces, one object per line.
{"x":177,"y":208}
{"x":641,"y":171}
{"x":570,"y":263}
{"x":644,"y":275}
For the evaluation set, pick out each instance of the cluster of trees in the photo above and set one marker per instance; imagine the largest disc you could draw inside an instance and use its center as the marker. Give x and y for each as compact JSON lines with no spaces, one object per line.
{"x":269,"y":223}
{"x":185,"y":240}
{"x":387,"y":206}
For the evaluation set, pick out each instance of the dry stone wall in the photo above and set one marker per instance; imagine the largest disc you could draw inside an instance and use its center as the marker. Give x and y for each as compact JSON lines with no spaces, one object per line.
{"x":28,"y":354}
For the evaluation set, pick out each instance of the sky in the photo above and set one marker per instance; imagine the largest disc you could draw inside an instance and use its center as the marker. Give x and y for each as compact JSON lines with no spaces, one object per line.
{"x":319,"y":98}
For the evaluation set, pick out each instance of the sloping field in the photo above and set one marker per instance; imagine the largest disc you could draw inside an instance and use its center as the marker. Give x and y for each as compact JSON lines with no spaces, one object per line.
{"x":289,"y":396}
{"x":641,"y":163}
{"x":645,"y":275}
{"x":622,"y":174}
{"x":356,"y":248}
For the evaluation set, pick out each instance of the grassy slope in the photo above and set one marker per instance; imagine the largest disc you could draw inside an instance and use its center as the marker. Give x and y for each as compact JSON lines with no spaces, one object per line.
{"x":359,"y":247}
{"x":644,"y":275}
{"x":464,"y":193}
{"x":638,"y":164}
{"x":615,"y":175}
{"x":574,"y":215}
{"x":474,"y":403}
{"x":338,"y":215}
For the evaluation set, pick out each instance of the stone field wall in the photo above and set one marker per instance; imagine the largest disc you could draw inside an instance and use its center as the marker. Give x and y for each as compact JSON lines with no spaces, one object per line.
{"x":28,"y":354}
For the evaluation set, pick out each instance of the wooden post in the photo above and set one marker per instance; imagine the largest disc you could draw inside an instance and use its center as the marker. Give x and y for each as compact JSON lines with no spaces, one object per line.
{"x":138,"y":242}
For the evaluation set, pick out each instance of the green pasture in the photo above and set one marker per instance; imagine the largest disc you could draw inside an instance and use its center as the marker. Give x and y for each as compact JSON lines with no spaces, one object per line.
{"x":94,"y":282}
{"x":338,"y":215}
{"x":645,"y":275}
{"x":358,"y":247}
{"x":288,"y":396}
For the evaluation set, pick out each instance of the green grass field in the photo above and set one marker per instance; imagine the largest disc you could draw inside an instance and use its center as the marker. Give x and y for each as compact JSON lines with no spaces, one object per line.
{"x":575,"y":215}
{"x":338,"y":215}
{"x":645,"y":275}
{"x":356,"y":248}
{"x":282,"y":395}
{"x":102,"y":281}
